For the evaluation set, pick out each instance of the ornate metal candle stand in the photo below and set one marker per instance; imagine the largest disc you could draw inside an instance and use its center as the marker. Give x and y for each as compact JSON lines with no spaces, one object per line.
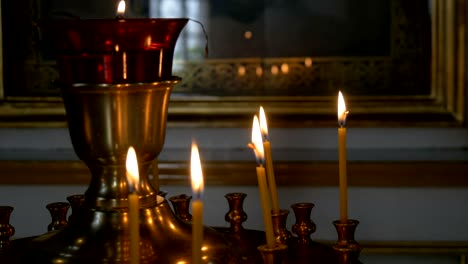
{"x":249,"y":245}
{"x":245,"y":245}
{"x":116,"y":81}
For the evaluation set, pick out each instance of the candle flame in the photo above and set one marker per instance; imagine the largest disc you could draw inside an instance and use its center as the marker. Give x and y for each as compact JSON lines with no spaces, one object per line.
{"x":196,"y":170}
{"x":342,"y":112}
{"x":132,"y":169}
{"x":121,"y":8}
{"x":263,"y":124}
{"x":257,"y":142}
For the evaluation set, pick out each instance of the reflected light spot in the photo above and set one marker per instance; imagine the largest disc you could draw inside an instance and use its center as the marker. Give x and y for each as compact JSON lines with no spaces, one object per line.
{"x":259,"y":71}
{"x":308,"y":62}
{"x":284,"y":68}
{"x":148,"y":41}
{"x":241,"y":71}
{"x":274,"y":70}
{"x":248,"y":34}
{"x":204,"y":248}
{"x":181,"y":262}
{"x":124,"y":63}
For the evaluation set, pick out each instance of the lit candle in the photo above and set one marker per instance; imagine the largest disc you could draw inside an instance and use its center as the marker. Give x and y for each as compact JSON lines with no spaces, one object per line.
{"x":269,"y":162}
{"x":197,"y":205}
{"x":257,"y":146}
{"x":121,"y":9}
{"x":342,"y":113}
{"x":133,"y":206}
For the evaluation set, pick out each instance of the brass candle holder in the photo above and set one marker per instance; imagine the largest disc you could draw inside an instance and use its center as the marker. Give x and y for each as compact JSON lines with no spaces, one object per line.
{"x":282,"y":234}
{"x":58,"y":211}
{"x":346,"y":248}
{"x":76,"y":202}
{"x":181,"y":204}
{"x":276,"y":255}
{"x":244,"y":241}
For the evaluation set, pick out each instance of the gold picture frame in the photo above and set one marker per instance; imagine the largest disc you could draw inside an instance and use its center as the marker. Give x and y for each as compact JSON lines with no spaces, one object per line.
{"x":443,"y":106}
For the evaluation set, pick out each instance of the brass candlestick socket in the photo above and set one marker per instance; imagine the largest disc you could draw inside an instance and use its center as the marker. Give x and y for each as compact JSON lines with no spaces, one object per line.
{"x":236,"y":215}
{"x":58,"y":212}
{"x":76,"y":201}
{"x":181,"y":204}
{"x":276,"y":255}
{"x":282,"y":235}
{"x":346,"y":248}
{"x":303,"y":227}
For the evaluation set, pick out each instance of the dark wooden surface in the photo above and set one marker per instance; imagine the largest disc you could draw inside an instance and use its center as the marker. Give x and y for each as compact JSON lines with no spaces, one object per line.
{"x":320,"y":173}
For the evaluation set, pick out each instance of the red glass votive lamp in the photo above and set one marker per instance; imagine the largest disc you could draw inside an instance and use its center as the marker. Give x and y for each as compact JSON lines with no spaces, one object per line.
{"x":114,"y":51}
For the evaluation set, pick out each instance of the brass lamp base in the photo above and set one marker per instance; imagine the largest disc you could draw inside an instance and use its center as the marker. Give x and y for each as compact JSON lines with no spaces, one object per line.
{"x":103,"y":237}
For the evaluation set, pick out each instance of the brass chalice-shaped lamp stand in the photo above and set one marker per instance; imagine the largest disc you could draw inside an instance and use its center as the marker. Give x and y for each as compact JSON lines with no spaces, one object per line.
{"x":115,"y":77}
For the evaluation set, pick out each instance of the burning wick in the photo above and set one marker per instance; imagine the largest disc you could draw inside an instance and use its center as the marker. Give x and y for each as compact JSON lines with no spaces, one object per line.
{"x":121,"y":10}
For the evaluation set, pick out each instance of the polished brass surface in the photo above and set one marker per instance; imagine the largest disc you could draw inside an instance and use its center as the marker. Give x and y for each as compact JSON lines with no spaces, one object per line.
{"x":104,"y":121}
